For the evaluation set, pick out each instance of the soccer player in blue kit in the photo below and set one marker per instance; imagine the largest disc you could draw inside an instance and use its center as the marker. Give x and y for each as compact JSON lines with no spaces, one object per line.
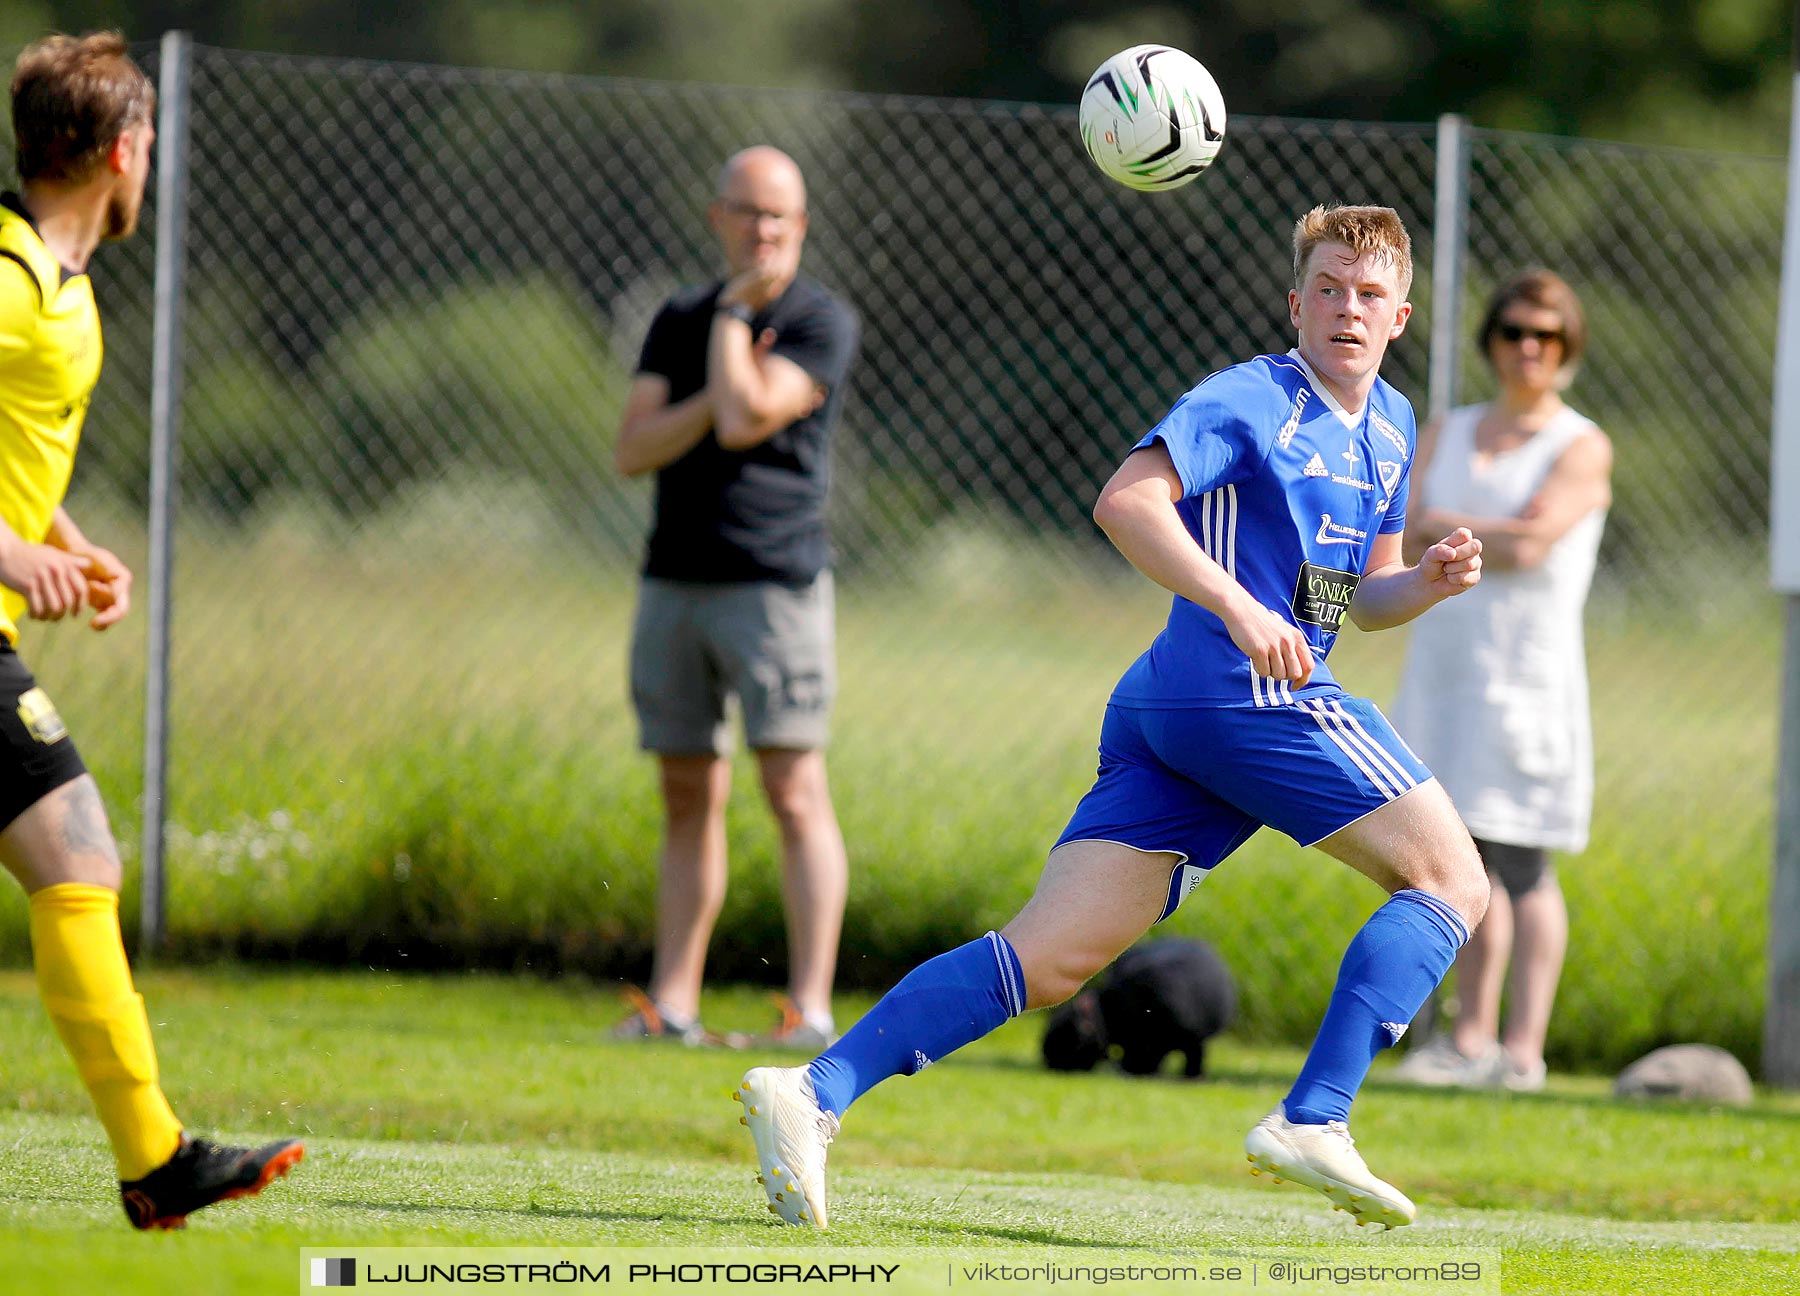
{"x":1270,"y":501}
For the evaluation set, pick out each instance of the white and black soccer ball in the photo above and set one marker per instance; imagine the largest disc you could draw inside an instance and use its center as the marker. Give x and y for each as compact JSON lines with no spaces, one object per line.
{"x":1152,"y":117}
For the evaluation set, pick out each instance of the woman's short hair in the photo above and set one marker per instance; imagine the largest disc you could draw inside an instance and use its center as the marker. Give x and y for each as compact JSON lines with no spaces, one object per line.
{"x":1545,"y":290}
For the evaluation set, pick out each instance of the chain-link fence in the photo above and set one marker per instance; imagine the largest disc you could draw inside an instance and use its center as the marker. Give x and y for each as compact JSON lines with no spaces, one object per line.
{"x":405,"y":568}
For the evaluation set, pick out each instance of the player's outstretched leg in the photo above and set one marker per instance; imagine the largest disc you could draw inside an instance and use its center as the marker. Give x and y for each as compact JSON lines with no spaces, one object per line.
{"x":85,"y":983}
{"x":1392,"y":965}
{"x":791,"y":1132}
{"x":1325,"y":1157}
{"x":1390,"y":969}
{"x":941,"y":1005}
{"x":86,"y":986}
{"x":202,"y":1173}
{"x":1094,"y":899}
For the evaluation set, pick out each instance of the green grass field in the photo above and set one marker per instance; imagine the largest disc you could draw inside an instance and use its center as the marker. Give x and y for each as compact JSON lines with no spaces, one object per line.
{"x":490,"y":1111}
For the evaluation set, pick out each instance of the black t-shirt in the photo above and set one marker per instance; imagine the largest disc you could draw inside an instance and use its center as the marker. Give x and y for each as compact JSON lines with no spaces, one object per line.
{"x":754,"y":514}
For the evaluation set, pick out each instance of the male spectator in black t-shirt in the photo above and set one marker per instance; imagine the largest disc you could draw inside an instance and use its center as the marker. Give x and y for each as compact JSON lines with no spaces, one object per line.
{"x":735,"y":396}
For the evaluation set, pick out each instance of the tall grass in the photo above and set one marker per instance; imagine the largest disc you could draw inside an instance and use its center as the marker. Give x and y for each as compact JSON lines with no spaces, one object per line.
{"x":409,"y":743}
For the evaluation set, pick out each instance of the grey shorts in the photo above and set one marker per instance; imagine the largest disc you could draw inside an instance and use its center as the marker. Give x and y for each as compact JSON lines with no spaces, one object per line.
{"x":770,"y":645}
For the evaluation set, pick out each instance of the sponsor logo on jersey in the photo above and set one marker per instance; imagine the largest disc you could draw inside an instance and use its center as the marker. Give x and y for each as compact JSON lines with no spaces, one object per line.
{"x":1392,"y":434}
{"x":1285,"y":437}
{"x":1389,"y":472}
{"x":1353,"y":482}
{"x":1321,"y":594}
{"x":39,"y":715}
{"x":1315,"y":467}
{"x":1337,"y":533}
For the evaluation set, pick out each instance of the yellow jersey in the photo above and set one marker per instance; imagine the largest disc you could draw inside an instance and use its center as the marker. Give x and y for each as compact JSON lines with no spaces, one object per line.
{"x":49,"y":363}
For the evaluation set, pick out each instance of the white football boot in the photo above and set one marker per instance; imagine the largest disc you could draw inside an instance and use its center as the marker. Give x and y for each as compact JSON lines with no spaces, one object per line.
{"x":1325,"y":1157}
{"x":791,"y":1132}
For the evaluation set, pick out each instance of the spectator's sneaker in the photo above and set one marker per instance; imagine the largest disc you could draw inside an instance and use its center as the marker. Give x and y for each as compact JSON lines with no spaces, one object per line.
{"x":1524,"y":1079}
{"x":201,"y":1173}
{"x":648,"y":1022}
{"x":1325,"y":1157}
{"x":796,"y":1031}
{"x":1439,"y":1064}
{"x":791,"y":1132}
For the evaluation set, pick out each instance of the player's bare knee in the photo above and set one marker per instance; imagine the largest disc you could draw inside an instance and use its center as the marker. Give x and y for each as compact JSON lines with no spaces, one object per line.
{"x":1473,"y":904}
{"x":1461,"y":881}
{"x":1048,"y":967}
{"x":1048,"y":987}
{"x":1056,"y":977}
{"x":65,"y":837}
{"x":1451,"y":871}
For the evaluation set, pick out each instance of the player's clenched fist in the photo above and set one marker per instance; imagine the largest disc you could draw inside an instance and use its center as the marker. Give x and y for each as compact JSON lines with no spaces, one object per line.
{"x":1276,"y":649}
{"x":53,"y":581}
{"x":1453,"y":564}
{"x":108,"y":587}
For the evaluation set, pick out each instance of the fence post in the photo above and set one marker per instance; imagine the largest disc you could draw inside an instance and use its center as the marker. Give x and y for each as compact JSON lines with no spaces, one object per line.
{"x":1449,"y":239}
{"x":1449,"y":235}
{"x":165,"y":414}
{"x":1781,"y":1016}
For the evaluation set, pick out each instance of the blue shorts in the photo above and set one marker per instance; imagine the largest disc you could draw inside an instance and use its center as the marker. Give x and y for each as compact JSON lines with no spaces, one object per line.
{"x":1199,"y":780}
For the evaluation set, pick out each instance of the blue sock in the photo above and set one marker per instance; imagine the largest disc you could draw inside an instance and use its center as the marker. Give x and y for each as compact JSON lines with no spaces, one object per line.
{"x":952,"y":1000}
{"x":1390,"y":969}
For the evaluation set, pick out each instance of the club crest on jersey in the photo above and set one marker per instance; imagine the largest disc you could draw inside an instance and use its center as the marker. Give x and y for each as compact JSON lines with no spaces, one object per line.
{"x":1337,"y":533}
{"x":1315,"y":467}
{"x":40,"y":717}
{"x":1285,"y":437}
{"x":1389,"y":472}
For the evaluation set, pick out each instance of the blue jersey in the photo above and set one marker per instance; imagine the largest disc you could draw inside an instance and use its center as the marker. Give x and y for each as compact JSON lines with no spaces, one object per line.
{"x":1285,"y":491}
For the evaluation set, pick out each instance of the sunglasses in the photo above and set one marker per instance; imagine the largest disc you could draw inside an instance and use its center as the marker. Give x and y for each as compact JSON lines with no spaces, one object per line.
{"x":751,"y":212}
{"x":1517,"y":333}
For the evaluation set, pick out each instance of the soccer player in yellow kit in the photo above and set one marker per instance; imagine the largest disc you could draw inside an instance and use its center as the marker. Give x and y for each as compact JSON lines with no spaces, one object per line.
{"x":82,"y":120}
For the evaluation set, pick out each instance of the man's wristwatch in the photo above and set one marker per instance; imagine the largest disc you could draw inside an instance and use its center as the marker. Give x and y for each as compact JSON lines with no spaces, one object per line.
{"x":737,"y":311}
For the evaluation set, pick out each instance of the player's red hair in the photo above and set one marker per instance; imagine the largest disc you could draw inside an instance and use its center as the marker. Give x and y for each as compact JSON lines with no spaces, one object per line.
{"x":1364,"y":230}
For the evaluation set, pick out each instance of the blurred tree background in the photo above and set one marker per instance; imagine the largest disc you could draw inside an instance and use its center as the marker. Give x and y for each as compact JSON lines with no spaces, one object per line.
{"x":1704,"y":73}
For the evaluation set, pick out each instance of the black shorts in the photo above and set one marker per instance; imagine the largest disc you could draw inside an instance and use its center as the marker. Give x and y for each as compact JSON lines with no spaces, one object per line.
{"x":37,"y":756}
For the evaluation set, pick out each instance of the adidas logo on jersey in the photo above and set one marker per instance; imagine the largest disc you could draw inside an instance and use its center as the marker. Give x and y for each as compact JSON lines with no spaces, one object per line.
{"x":1315,"y":467}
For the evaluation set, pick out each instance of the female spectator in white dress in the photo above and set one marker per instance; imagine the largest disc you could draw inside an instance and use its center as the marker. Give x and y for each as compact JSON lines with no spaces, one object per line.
{"x":1494,"y":694}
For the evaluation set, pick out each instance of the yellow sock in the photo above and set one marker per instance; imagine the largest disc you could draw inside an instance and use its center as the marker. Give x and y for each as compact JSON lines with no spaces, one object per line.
{"x":86,"y":987}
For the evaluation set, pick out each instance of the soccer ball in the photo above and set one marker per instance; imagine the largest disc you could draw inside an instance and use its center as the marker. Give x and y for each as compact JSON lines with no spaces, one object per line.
{"x":1152,"y":117}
